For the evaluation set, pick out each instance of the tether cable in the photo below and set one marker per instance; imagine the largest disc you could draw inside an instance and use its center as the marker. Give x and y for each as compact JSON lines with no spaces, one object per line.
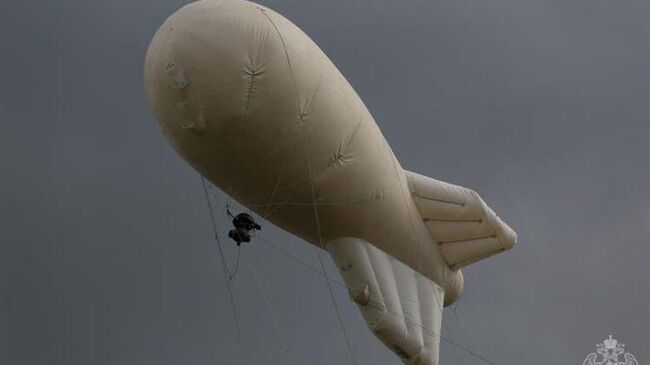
{"x":226,"y":271}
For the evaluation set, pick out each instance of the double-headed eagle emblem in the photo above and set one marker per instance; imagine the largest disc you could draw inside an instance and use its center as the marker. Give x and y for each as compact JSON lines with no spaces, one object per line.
{"x":609,"y":353}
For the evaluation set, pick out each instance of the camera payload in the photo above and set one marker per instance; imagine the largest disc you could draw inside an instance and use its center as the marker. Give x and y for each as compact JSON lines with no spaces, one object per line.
{"x":244,"y":225}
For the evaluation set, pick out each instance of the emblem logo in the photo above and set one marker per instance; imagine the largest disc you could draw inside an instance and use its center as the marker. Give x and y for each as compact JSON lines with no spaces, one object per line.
{"x":610,"y":352}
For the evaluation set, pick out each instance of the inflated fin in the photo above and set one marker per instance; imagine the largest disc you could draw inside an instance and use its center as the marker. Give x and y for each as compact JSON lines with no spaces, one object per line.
{"x":401,"y":307}
{"x":464,"y":227}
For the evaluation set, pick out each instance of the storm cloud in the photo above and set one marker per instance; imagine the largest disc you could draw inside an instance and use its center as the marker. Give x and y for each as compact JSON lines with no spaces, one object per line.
{"x":106,"y":248}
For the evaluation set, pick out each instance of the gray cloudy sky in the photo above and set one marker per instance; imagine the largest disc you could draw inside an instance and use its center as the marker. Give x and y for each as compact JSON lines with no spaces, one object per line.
{"x":106,"y":255}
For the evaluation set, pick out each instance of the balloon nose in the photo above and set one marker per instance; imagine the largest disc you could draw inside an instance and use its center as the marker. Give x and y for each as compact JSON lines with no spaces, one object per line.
{"x":213,"y":70}
{"x":193,"y":73}
{"x":171,"y":72}
{"x":198,"y":66}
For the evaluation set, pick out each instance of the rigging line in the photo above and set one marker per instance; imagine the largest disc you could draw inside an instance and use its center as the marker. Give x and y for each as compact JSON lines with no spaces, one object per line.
{"x":316,"y":271}
{"x":320,"y":240}
{"x":324,"y":272}
{"x":295,"y":259}
{"x":320,"y":259}
{"x":277,"y":205}
{"x":231,"y":273}
{"x":322,"y":264}
{"x":286,"y":54}
{"x":342,"y":285}
{"x":254,"y":171}
{"x":336,"y":307}
{"x":460,"y":329}
{"x":324,"y":275}
{"x":274,"y":320}
{"x":478,"y":356}
{"x":275,"y":188}
{"x":424,"y":329}
{"x":438,"y":335}
{"x":285,"y":134}
{"x":302,"y":112}
{"x":433,"y":333}
{"x":214,"y":192}
{"x":451,"y":338}
{"x":226,"y":271}
{"x":232,"y":276}
{"x":329,"y":284}
{"x":440,"y":307}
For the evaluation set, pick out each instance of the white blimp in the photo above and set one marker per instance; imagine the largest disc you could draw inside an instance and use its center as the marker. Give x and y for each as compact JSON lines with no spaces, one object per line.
{"x":252,"y":103}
